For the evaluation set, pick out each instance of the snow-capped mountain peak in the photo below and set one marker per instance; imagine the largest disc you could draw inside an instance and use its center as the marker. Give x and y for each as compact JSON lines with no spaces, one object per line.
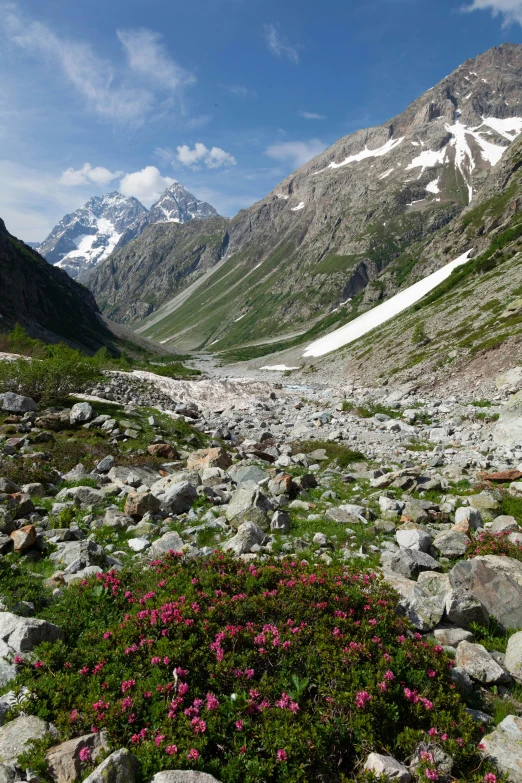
{"x":85,"y":238}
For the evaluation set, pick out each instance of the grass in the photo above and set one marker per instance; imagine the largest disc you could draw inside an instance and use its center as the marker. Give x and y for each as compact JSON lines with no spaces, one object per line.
{"x":343,"y":455}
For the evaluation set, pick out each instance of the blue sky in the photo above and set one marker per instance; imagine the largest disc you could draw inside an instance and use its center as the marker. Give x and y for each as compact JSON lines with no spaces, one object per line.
{"x":225,"y":96}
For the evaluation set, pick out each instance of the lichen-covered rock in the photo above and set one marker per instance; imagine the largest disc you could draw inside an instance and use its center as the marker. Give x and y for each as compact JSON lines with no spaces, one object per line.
{"x":15,"y":734}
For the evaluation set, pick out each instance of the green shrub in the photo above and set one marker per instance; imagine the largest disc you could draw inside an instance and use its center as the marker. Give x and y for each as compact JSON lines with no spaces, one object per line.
{"x":48,"y":380}
{"x":488,"y":543}
{"x":419,"y":335}
{"x":279,"y":672}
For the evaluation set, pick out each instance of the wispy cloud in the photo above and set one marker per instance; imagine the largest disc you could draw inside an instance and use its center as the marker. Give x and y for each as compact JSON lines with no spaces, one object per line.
{"x":279,"y":45}
{"x":201,"y":155}
{"x":124,"y":94}
{"x":98,"y":175}
{"x":239,"y":90}
{"x":312,"y":115}
{"x":509,"y":10}
{"x":149,"y":59}
{"x":297,"y":153}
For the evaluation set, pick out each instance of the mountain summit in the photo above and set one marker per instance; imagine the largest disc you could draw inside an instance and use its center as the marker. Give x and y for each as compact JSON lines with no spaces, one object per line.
{"x":83,"y":239}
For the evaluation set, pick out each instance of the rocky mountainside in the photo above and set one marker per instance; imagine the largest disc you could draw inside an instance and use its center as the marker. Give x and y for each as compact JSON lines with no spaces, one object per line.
{"x":368,"y":205}
{"x":156,"y":266}
{"x":85,"y":238}
{"x":44,"y":299}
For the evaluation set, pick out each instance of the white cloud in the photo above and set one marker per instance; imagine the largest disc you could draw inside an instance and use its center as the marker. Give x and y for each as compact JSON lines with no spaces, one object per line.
{"x":125,"y":94}
{"x":296,"y":152}
{"x":33,"y":201}
{"x":148,"y":57}
{"x":201,"y":155}
{"x":239,"y":90}
{"x":87,"y":173}
{"x":146,"y":185}
{"x":510,"y":10}
{"x":278,"y":45}
{"x":312,"y":115}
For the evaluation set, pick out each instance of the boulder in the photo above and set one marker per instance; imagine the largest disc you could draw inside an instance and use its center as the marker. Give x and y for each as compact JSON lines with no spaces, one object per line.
{"x":244,"y":473}
{"x":15,"y":734}
{"x":513,"y":659}
{"x":160,"y":486}
{"x":169,"y":542}
{"x":20,"y":635}
{"x":139,"y":503}
{"x":463,"y":609}
{"x":117,"y":519}
{"x":105,"y":464}
{"x":494,"y":581}
{"x":120,"y":767}
{"x":409,"y":562}
{"x":503,"y":523}
{"x":183,"y":776}
{"x":424,"y":610}
{"x":64,"y":762}
{"x":248,"y":534}
{"x":81,"y":412}
{"x":508,"y":429}
{"x":451,"y":637}
{"x":479,"y":664}
{"x":179,"y":498}
{"x":17,"y":403}
{"x":387,"y":767}
{"x":280,"y":522}
{"x":76,"y":555}
{"x":209,"y":458}
{"x":412,"y":536}
{"x":248,"y":504}
{"x":434,"y":582}
{"x":82,"y":496}
{"x":470,"y":517}
{"x":23,"y":538}
{"x":451,"y":543}
{"x":503,"y":745}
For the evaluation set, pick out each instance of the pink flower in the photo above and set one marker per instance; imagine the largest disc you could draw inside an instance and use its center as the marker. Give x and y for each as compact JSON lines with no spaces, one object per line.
{"x":431,"y":673}
{"x":490,"y":778}
{"x":170,"y":750}
{"x":282,"y":755}
{"x":107,"y":635}
{"x":127,"y":685}
{"x":212,"y":702}
{"x":193,"y":754}
{"x":159,"y":739}
{"x":84,"y":754}
{"x":73,"y":716}
{"x":389,"y":675}
{"x":18,"y":660}
{"x":432,"y":774}
{"x":361,"y":698}
{"x":239,"y":725}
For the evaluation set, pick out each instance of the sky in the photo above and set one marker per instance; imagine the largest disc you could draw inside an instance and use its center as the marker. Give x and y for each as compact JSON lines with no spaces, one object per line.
{"x":225,"y":96}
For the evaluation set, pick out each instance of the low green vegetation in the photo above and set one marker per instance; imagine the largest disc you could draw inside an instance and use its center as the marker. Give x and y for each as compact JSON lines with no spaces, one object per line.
{"x":333,"y":451}
{"x":279,"y":672}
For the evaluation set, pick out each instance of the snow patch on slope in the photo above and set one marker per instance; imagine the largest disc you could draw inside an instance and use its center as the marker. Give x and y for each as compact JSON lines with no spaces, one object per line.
{"x":298,"y":207}
{"x":366,"y":153}
{"x":383,"y":312}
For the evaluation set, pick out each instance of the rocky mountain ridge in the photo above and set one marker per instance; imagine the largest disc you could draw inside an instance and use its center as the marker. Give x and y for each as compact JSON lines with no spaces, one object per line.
{"x":85,"y":238}
{"x":44,"y":299}
{"x":360,"y":213}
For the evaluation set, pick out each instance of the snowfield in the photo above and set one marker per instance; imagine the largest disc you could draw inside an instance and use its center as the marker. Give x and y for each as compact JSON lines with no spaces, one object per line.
{"x":383,"y":312}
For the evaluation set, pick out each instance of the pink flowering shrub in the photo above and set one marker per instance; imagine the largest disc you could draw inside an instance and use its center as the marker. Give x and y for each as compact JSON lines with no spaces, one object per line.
{"x":487,"y":543}
{"x":275,"y":672}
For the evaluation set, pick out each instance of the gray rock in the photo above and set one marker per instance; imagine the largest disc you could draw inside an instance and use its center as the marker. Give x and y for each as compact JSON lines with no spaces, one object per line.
{"x":17,"y":403}
{"x":470,"y":515}
{"x":461,"y":679}
{"x":247,"y":473}
{"x":463,"y":609}
{"x":451,"y":637}
{"x":120,"y":767}
{"x":81,"y":412}
{"x":434,"y":582}
{"x":138,"y":544}
{"x":503,"y":745}
{"x":82,"y":496}
{"x":388,"y":767}
{"x":105,"y":464}
{"x":79,"y":553}
{"x":508,"y":429}
{"x":413,"y":537}
{"x":513,"y":658}
{"x":423,"y":609}
{"x":494,"y":581}
{"x":248,"y":535}
{"x":248,"y":504}
{"x":64,"y":762}
{"x":171,"y":541}
{"x":451,"y":543}
{"x":504,"y":522}
{"x":19,"y":635}
{"x":183,"y":776}
{"x":15,"y":734}
{"x":409,"y":562}
{"x":179,"y":498}
{"x":479,"y":664}
{"x":117,"y":519}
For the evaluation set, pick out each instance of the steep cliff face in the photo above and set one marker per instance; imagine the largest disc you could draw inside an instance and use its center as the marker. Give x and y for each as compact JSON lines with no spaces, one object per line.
{"x":45,"y":300}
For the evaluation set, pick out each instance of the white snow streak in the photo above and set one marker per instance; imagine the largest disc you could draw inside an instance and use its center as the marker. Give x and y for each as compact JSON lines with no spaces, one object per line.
{"x":298,"y":207}
{"x":509,"y":128}
{"x":433,"y":186}
{"x":366,"y":153}
{"x":383,"y":312}
{"x":386,"y":173}
{"x":427,"y":159}
{"x":278,"y":367}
